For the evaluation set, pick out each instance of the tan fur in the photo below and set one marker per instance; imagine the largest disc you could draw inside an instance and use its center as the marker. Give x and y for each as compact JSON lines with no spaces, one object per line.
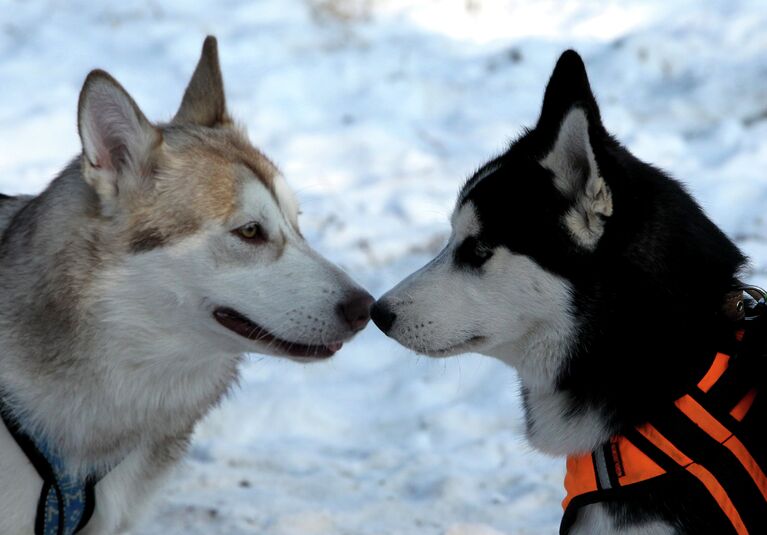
{"x":195,"y":181}
{"x":204,"y":102}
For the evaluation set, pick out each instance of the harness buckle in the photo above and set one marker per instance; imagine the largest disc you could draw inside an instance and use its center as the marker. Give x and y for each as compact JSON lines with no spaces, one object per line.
{"x":753,"y":302}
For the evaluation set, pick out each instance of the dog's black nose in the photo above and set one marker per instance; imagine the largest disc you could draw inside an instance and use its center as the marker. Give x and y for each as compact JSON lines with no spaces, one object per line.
{"x":382,"y":316}
{"x":356,"y":310}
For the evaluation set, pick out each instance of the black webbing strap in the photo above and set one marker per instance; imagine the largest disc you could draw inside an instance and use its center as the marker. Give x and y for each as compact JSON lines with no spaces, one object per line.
{"x":715,"y":457}
{"x":50,"y":482}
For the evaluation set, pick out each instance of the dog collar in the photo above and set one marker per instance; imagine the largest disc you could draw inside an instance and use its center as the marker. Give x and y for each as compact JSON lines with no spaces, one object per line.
{"x":66,"y":502}
{"x":705,"y":437}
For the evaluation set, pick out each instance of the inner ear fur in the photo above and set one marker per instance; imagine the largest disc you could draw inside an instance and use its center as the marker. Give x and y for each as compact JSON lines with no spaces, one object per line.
{"x":576,"y":175}
{"x":117,"y":139}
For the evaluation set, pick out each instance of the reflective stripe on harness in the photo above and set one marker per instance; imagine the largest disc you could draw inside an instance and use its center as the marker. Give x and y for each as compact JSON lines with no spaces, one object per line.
{"x":701,"y":436}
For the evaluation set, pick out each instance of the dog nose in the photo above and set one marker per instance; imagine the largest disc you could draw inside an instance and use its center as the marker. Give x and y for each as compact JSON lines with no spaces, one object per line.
{"x":382,"y":316}
{"x":356,"y":311}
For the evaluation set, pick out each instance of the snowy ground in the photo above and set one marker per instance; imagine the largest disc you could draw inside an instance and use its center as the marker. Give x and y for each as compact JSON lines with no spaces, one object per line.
{"x":377,"y":110}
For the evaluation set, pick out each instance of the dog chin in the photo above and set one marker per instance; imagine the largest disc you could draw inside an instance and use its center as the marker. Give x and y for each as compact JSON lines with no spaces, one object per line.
{"x":471,"y":345}
{"x":308,"y":353}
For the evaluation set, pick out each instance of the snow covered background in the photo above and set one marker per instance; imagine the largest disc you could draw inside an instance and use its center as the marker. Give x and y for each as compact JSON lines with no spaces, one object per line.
{"x":377,"y":110}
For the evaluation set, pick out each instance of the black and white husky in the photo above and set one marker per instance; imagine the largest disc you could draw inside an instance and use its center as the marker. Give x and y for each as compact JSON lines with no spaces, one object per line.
{"x":592,"y":273}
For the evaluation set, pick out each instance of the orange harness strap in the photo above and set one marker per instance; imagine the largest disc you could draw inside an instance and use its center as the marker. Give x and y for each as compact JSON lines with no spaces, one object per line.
{"x":645,"y":454}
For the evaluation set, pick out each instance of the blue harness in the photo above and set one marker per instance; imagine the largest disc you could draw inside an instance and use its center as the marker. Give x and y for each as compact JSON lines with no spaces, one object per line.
{"x":66,"y":503}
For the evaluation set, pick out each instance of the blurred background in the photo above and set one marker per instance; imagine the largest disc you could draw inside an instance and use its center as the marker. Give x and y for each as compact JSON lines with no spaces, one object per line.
{"x":377,"y":110}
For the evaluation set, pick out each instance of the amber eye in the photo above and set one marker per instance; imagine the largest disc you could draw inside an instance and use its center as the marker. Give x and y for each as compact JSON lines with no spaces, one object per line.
{"x":252,"y":232}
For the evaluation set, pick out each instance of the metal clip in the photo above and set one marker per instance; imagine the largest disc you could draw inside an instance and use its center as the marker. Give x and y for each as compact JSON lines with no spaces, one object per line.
{"x":753,"y":302}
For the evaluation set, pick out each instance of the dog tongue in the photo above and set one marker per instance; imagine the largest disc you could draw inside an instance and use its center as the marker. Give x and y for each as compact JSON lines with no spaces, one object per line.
{"x":335,"y":346}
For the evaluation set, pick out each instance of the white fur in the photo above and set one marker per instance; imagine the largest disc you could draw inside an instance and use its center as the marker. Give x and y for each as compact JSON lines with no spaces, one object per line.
{"x":569,"y":160}
{"x":286,"y":199}
{"x":20,"y":488}
{"x":123,"y":492}
{"x":464,"y":222}
{"x":554,"y":429}
{"x":595,"y":520}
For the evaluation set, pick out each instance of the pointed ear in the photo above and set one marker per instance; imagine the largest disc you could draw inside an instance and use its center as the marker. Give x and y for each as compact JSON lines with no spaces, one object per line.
{"x":568,"y":86}
{"x":117,"y":139}
{"x":576,"y":175}
{"x":204,"y":103}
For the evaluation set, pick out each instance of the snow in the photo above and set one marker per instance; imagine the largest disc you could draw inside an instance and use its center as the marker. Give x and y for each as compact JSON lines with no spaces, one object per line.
{"x":377,"y":110}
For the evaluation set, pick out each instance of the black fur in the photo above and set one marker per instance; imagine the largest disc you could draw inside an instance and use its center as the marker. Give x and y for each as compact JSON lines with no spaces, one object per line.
{"x":647,"y":298}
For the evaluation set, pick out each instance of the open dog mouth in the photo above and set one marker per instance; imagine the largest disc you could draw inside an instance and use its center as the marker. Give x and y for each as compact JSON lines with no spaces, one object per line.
{"x":239,"y":324}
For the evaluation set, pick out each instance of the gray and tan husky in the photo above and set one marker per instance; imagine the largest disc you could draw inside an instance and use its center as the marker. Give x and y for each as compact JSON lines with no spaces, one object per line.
{"x":132,"y":286}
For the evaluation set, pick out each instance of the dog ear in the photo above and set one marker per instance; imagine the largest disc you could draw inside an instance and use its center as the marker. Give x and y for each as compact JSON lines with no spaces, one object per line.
{"x":117,"y":138}
{"x":204,"y":103}
{"x":570,"y":124}
{"x":576,"y":175}
{"x":568,"y":87}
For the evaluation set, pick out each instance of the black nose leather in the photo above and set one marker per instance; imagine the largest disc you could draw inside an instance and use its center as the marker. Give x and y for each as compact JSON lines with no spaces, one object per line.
{"x":356,"y":310}
{"x":382,"y":316}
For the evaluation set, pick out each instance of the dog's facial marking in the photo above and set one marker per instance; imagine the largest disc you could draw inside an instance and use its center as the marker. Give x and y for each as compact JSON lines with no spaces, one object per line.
{"x":262,"y":167}
{"x":146,"y":240}
{"x":577,"y":177}
{"x":198,"y":178}
{"x":479,"y":296}
{"x":465,"y":221}
{"x":259,"y":206}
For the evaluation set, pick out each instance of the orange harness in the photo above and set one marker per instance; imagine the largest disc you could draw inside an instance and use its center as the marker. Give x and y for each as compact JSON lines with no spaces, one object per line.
{"x":706,"y":434}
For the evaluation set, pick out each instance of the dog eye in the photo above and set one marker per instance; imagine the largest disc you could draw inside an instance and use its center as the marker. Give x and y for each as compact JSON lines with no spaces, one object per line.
{"x":251,"y":232}
{"x":473,"y":252}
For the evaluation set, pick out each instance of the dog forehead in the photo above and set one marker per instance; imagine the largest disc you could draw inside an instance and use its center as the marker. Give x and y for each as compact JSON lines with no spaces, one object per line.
{"x":486,"y":170}
{"x":223,"y":143}
{"x":286,"y":199}
{"x":258,"y":200}
{"x":217,"y":163}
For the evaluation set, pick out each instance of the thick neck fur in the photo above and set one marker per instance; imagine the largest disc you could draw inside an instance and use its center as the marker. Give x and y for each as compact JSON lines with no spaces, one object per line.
{"x":556,"y":423}
{"x":71,"y":369}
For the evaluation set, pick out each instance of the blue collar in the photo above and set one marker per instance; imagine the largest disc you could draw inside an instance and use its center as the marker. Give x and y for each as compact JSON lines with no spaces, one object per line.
{"x":66,"y":503}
